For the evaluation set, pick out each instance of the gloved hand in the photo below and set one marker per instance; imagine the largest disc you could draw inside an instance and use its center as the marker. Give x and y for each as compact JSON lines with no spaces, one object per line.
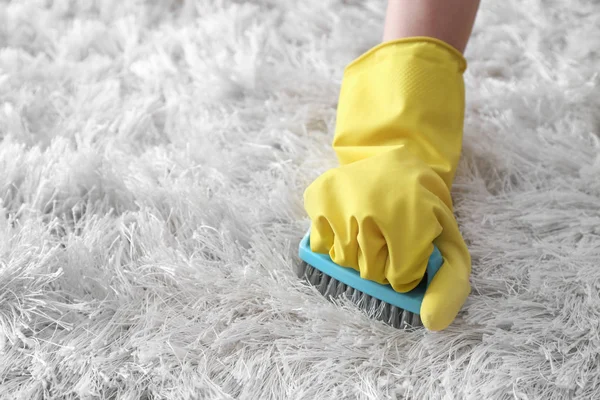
{"x":398,"y":140}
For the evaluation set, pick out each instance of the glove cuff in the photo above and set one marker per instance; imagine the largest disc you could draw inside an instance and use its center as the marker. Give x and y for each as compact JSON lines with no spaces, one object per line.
{"x":452,"y":51}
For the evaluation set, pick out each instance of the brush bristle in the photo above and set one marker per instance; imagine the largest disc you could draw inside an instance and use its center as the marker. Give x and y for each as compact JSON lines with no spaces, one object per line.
{"x":375,"y":308}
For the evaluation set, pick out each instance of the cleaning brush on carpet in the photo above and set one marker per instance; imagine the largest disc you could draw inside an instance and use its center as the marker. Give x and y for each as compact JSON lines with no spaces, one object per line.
{"x":382,"y":302}
{"x":398,"y":140}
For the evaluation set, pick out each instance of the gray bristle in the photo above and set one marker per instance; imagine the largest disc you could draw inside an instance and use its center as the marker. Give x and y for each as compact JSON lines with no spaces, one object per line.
{"x":349,"y":292}
{"x":340,"y":288}
{"x":416,"y":321}
{"x":315,"y":277}
{"x":374,"y":307}
{"x":406,"y":320}
{"x":395,"y":315}
{"x":305,"y":270}
{"x":332,"y":288}
{"x":357,"y":297}
{"x":323,"y":283}
{"x":365,"y":300}
{"x":385,"y":312}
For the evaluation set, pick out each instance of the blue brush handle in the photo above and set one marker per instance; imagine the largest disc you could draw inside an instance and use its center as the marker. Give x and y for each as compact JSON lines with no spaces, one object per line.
{"x":410,"y":301}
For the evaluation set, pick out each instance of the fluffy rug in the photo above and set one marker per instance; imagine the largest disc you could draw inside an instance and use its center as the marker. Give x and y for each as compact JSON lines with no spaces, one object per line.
{"x":153,"y":157}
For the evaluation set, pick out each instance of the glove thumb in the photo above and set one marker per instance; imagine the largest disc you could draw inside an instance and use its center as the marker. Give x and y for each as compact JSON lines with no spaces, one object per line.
{"x":450,"y":286}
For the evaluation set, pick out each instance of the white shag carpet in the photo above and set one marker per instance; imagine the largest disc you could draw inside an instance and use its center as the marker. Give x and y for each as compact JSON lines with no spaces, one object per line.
{"x":153,"y":157}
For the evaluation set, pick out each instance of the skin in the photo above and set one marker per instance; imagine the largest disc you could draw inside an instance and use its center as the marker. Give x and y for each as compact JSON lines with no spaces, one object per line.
{"x":448,"y":20}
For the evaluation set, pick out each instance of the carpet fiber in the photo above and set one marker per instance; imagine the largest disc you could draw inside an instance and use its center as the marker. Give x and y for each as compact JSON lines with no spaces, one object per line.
{"x":153,"y":157}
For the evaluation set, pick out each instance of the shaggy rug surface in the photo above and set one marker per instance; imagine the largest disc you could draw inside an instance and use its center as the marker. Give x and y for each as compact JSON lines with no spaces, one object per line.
{"x":153,"y":157}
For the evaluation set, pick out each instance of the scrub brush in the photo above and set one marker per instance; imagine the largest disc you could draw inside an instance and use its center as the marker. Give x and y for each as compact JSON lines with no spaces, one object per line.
{"x":382,"y":302}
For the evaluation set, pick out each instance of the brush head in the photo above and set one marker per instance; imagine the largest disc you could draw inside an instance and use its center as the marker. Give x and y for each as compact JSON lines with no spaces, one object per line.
{"x":375,"y":308}
{"x":400,"y":310}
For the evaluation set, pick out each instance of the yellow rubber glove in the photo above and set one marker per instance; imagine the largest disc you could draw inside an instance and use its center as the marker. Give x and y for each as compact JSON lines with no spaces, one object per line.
{"x":398,"y":139}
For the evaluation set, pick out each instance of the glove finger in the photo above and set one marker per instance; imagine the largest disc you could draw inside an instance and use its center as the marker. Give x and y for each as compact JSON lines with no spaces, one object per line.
{"x":444,"y":298}
{"x":411,"y":270}
{"x":450,"y":287}
{"x":344,"y":249}
{"x":321,"y":236}
{"x":411,"y":226}
{"x":372,"y":252}
{"x":333,"y":231}
{"x":321,"y":232}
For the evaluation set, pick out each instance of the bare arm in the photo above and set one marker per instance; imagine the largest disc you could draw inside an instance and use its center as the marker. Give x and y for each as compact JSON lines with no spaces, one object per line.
{"x":448,"y":20}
